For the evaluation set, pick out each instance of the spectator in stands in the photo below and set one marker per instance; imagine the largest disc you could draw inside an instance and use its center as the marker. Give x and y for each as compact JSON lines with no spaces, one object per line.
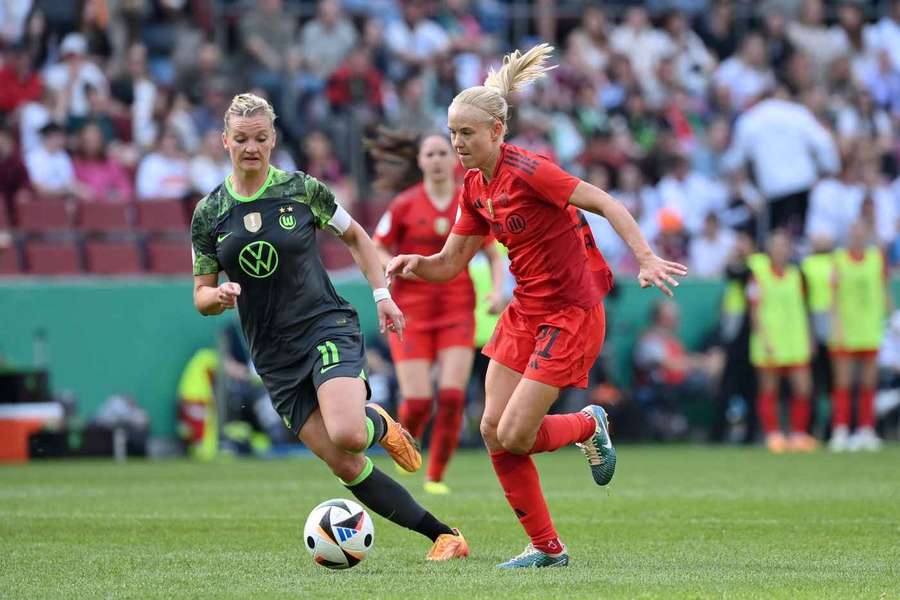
{"x":210,"y":166}
{"x":787,"y":149}
{"x":104,"y":179}
{"x":718,"y":30}
{"x":668,"y":376}
{"x":886,"y":34}
{"x":13,"y":175}
{"x":329,"y":29}
{"x":709,"y":251}
{"x":35,"y":115}
{"x":587,"y":47}
{"x":690,"y":194}
{"x":71,"y":77}
{"x":862,"y":123}
{"x":356,"y":87}
{"x":779,"y":48}
{"x":415,"y":40}
{"x":19,"y":83}
{"x":267,"y":38}
{"x":810,"y":36}
{"x":671,"y":240}
{"x":834,"y":202}
{"x":137,"y":93}
{"x":693,"y":63}
{"x":412,"y":110}
{"x":879,"y":206}
{"x":637,"y":39}
{"x":164,"y":173}
{"x":746,"y":75}
{"x":321,"y":162}
{"x":50,"y":168}
{"x":13,"y":18}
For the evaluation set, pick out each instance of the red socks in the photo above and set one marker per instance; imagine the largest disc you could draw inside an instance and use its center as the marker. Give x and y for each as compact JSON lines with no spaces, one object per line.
{"x":840,"y":408}
{"x":445,"y":432}
{"x":767,"y":409}
{"x":414,"y":414}
{"x":520,"y":482}
{"x":801,"y":409}
{"x":558,"y":431}
{"x":865,"y":416}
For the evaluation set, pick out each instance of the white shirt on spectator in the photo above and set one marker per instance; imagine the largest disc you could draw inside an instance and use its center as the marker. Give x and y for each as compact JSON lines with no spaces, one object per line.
{"x":692,"y":197}
{"x":643,"y":48}
{"x":32,"y":118}
{"x":424,"y":41}
{"x":52,"y":171}
{"x":851,"y":124}
{"x":833,"y":207}
{"x":708,"y":257}
{"x":743,"y":81}
{"x":56,"y":77}
{"x":886,"y":35}
{"x":207,"y":173}
{"x":159,"y":176}
{"x":786,"y":146}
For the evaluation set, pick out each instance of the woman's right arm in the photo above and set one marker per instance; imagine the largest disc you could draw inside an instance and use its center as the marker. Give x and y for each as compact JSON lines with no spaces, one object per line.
{"x":458,"y":250}
{"x":211,"y":298}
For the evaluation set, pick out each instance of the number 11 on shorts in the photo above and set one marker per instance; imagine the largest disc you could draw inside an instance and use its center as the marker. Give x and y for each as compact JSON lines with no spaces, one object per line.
{"x":330,"y":357}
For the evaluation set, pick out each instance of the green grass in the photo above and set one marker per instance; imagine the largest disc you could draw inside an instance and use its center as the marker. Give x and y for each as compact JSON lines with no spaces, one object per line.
{"x":693,"y":522}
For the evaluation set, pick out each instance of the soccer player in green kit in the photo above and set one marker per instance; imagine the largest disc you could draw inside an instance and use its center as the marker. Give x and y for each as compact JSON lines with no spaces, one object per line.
{"x":259,"y":226}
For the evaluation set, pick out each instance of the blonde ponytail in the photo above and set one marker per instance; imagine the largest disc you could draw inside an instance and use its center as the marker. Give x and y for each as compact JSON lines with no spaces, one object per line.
{"x":518,"y":70}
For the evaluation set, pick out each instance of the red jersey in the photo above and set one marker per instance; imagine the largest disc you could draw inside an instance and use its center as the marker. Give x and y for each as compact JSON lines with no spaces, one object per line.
{"x":526,"y":206}
{"x":413,"y":225}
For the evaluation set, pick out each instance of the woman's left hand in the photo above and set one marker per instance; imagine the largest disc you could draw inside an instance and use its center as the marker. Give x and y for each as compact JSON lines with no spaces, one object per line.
{"x":390,"y":317}
{"x":659,"y":272}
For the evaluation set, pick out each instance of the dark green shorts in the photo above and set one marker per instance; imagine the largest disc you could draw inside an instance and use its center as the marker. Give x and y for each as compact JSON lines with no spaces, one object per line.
{"x":340,"y":352}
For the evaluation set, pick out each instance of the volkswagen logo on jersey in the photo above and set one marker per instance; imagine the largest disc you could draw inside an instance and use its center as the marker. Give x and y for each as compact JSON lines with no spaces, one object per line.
{"x":258,"y":259}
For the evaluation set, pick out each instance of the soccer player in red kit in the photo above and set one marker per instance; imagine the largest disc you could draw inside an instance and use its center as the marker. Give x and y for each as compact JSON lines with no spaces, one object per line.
{"x":440,"y":317}
{"x":551,"y":333}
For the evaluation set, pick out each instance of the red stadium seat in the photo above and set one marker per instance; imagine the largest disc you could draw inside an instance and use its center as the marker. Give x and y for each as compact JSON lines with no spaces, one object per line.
{"x":112,"y":258}
{"x":104,"y":218}
{"x":4,"y":216}
{"x":169,"y":257}
{"x":161,"y":216}
{"x":9,"y":261}
{"x":44,"y":215}
{"x":52,"y":258}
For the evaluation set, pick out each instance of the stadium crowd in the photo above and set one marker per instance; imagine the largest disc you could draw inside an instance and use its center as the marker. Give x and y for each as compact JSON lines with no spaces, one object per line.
{"x":698,"y":114}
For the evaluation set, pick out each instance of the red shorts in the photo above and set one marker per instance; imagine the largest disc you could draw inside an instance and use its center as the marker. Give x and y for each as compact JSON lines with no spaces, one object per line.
{"x":856,"y":354}
{"x":558,"y":348}
{"x":783,"y":370}
{"x":426,"y":343}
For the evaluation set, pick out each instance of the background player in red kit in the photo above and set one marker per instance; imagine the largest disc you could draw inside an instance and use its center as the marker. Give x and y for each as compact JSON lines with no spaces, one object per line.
{"x":552,"y":331}
{"x":440,"y":316}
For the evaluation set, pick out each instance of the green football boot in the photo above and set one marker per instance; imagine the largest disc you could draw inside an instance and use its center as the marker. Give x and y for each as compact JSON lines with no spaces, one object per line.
{"x":532,"y":558}
{"x":598,"y":448}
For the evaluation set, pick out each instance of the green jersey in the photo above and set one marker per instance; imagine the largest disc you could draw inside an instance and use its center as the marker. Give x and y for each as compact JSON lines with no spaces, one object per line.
{"x":267,"y":244}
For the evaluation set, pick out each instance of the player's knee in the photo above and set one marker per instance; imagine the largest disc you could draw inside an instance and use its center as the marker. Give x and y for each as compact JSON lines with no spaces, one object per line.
{"x":514,"y":442}
{"x":350,"y":439}
{"x":488,"y":429}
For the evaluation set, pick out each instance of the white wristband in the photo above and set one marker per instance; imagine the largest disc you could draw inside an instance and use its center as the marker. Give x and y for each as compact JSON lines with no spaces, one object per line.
{"x":380,"y":294}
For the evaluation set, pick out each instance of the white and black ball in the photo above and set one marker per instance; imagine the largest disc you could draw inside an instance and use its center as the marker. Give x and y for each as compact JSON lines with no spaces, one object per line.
{"x":339,"y":534}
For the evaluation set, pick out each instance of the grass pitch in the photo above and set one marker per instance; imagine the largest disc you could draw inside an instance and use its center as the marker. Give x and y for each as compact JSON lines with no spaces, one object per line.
{"x":695,"y":522}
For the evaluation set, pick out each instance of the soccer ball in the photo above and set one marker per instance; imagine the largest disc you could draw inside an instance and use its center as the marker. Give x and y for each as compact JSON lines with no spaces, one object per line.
{"x":339,"y":533}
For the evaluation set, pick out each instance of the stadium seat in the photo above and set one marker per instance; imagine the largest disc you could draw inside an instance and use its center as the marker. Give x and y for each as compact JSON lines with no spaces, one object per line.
{"x":169,"y":257}
{"x":43,"y":257}
{"x":96,"y":217}
{"x":5,"y":220}
{"x":9,"y":261}
{"x":44,"y":216}
{"x":161,"y":216}
{"x":112,"y":258}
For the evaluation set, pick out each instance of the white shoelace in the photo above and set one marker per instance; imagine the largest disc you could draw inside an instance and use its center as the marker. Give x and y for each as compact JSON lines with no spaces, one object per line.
{"x":593,"y":455}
